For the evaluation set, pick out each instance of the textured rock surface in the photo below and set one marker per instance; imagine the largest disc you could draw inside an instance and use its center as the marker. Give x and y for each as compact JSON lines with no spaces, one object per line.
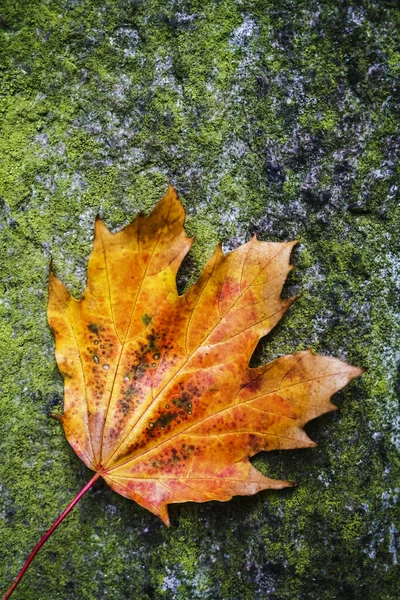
{"x":275,"y":117}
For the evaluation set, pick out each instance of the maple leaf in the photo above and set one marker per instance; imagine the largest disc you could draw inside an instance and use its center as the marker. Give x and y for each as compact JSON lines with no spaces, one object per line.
{"x":159,"y":398}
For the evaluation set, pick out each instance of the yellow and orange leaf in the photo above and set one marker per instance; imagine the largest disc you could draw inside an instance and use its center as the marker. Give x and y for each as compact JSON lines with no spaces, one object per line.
{"x":159,"y":397}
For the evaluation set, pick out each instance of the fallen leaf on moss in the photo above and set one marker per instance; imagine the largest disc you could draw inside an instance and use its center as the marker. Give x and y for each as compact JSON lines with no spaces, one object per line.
{"x":159,"y":398}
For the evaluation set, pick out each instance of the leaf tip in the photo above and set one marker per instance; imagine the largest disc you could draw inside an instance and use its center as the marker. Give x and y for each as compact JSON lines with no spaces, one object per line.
{"x":164,"y":516}
{"x":289,"y":301}
{"x":354,"y":372}
{"x":172,"y":193}
{"x":98,"y":225}
{"x":358,"y":371}
{"x":56,"y":416}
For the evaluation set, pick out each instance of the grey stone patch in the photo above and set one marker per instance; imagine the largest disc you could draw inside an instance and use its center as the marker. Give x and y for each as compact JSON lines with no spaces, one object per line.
{"x":392,"y":543}
{"x":170,"y":582}
{"x":183,"y":17}
{"x":163,"y":74}
{"x":126,"y":40}
{"x":242,"y":34}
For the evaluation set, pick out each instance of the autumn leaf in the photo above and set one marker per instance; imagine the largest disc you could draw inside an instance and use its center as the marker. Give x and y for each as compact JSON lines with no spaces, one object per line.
{"x":159,"y":397}
{"x":160,"y":400}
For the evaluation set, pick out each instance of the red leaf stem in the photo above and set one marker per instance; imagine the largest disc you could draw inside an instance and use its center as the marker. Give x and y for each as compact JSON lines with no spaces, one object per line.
{"x":48,"y":534}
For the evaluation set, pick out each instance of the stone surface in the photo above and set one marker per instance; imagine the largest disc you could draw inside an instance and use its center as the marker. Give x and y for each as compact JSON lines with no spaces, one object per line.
{"x":274,"y":117}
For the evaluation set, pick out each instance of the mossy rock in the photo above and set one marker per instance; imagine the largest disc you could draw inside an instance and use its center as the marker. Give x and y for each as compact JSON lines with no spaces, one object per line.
{"x":275,"y":118}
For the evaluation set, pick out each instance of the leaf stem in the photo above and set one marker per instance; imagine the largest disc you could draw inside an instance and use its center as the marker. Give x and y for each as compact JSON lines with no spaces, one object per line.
{"x":48,"y":534}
